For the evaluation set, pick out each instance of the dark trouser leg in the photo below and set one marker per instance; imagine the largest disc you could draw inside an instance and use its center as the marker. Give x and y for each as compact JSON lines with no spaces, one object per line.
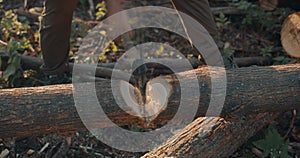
{"x":200,"y":11}
{"x":55,"y":33}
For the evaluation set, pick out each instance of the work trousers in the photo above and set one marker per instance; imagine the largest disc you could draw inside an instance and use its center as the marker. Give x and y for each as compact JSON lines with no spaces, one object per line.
{"x":55,"y":29}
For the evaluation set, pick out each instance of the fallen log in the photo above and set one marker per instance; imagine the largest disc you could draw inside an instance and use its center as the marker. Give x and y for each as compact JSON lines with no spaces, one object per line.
{"x":215,"y":10}
{"x":273,"y":4}
{"x":269,"y":4}
{"x":249,"y":61}
{"x":205,"y":139}
{"x":105,"y":70}
{"x":226,"y":10}
{"x":290,"y":35}
{"x":29,"y":14}
{"x":28,"y":62}
{"x":43,"y":110}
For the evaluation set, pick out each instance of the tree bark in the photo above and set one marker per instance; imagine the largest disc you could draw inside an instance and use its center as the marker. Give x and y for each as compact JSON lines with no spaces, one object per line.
{"x":43,"y":110}
{"x":225,"y":10}
{"x":249,"y":61}
{"x":269,"y":4}
{"x":34,"y":63}
{"x":204,"y":139}
{"x":290,"y":35}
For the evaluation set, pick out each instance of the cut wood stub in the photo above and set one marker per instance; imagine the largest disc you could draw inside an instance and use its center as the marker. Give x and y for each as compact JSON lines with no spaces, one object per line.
{"x":290,"y":35}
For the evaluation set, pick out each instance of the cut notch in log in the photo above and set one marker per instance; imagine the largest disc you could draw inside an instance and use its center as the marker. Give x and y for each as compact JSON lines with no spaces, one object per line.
{"x":290,"y":35}
{"x":158,"y":91}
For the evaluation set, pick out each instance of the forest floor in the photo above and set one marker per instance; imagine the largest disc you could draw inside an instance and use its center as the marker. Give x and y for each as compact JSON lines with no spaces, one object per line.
{"x":252,"y":33}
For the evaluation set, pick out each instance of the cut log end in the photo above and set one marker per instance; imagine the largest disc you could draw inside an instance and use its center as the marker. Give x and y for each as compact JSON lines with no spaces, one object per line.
{"x":158,"y":91}
{"x":290,"y":35}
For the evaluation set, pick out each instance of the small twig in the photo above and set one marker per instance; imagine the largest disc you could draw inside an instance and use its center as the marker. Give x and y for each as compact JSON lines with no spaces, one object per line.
{"x":3,"y":43}
{"x":4,"y":153}
{"x":44,"y":147}
{"x":25,"y":4}
{"x":91,"y":9}
{"x":69,"y":141}
{"x":87,"y":149}
{"x":98,"y":154}
{"x":295,"y":145}
{"x":257,"y":152}
{"x":294,"y":112}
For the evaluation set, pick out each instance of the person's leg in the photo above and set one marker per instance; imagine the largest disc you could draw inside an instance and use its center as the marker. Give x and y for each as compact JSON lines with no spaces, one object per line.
{"x":114,"y":6}
{"x":55,"y":33}
{"x":200,"y":11}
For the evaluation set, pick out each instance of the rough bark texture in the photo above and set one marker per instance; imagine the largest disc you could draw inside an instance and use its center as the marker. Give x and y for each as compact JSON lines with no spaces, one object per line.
{"x":269,"y":4}
{"x":35,"y":63}
{"x":249,"y":61}
{"x":42,"y":110}
{"x":290,"y":35}
{"x":251,"y":90}
{"x":225,"y":10}
{"x":211,"y":137}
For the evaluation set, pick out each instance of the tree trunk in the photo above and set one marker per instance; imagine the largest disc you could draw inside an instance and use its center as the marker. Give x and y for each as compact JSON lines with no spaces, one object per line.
{"x":204,"y":139}
{"x":290,"y":35}
{"x":43,"y":110}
